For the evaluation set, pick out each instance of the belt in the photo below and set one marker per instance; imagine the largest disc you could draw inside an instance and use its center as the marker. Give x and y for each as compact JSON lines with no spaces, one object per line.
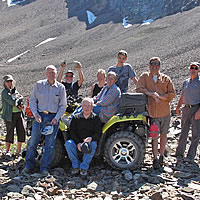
{"x":46,"y":112}
{"x":190,"y":106}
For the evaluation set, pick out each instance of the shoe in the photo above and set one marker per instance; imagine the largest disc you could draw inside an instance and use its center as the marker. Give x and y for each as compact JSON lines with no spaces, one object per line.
{"x":83,"y":173}
{"x":75,"y":171}
{"x":161,"y":160}
{"x":26,"y":171}
{"x":156,"y":164}
{"x":44,"y":173}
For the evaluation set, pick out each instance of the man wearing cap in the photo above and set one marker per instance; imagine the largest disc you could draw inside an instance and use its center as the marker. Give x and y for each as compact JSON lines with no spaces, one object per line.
{"x":160,"y":91}
{"x":48,"y":104}
{"x":190,"y":97}
{"x":70,"y":86}
{"x":85,"y":130}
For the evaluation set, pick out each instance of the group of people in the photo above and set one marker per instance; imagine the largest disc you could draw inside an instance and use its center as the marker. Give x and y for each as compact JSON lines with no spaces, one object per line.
{"x":48,"y":104}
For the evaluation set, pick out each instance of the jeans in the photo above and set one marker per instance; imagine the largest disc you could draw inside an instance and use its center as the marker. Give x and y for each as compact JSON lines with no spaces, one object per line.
{"x":73,"y":156}
{"x":50,"y":141}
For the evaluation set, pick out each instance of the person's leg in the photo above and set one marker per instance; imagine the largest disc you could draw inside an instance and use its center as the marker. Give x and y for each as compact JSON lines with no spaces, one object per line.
{"x":20,"y":130}
{"x":155,"y":147}
{"x":87,"y":158}
{"x":195,"y":139}
{"x":186,"y":122}
{"x":9,"y":135}
{"x":72,"y":153}
{"x":50,"y":141}
{"x":163,"y":141}
{"x":32,"y":146}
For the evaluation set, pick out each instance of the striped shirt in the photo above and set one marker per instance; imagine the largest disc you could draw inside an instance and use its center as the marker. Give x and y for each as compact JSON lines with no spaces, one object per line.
{"x":110,"y":103}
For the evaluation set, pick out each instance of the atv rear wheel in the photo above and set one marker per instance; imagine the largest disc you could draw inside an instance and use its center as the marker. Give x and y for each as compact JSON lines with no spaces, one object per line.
{"x":124,"y":150}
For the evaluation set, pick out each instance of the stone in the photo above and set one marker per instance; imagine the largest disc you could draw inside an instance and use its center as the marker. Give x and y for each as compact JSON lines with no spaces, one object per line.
{"x":156,"y":196}
{"x":28,"y":190}
{"x":14,"y":195}
{"x":92,"y":186}
{"x":13,"y":188}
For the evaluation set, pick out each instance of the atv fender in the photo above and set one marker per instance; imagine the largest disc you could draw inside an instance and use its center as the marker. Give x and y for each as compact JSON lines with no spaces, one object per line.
{"x":113,"y":120}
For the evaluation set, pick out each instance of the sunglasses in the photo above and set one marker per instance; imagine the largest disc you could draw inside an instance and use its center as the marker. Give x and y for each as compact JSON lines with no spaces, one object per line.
{"x":69,"y":76}
{"x":155,"y":63}
{"x":196,"y":68}
{"x":9,"y":81}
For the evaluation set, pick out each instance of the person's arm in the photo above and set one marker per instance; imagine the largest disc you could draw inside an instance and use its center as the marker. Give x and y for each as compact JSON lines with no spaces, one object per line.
{"x":170,"y":94}
{"x":97,"y":130}
{"x":92,"y":89}
{"x":60,"y":74}
{"x":135,"y":80}
{"x":73,"y":130}
{"x":180,"y":102}
{"x":8,"y":98}
{"x":62,"y":103}
{"x":108,"y":99}
{"x":78,"y":67}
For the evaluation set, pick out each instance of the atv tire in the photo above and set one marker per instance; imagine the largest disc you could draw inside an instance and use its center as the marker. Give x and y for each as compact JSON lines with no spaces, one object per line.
{"x":124,"y":150}
{"x":59,"y":153}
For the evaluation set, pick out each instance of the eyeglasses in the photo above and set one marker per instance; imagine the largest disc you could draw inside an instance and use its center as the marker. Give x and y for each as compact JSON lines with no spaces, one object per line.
{"x":69,"y":76}
{"x":196,"y":68}
{"x":155,"y":63}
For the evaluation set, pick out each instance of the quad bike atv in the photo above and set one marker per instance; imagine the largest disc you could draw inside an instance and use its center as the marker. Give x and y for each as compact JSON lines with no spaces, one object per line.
{"x":123,"y":138}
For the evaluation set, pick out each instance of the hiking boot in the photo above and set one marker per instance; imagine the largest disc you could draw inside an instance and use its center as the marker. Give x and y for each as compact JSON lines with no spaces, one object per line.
{"x":26,"y":171}
{"x":161,"y":160}
{"x":83,"y":173}
{"x":44,"y":173}
{"x":75,"y":171}
{"x":156,"y":164}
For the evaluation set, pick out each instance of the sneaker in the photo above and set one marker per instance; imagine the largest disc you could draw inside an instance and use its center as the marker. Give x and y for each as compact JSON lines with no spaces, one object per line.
{"x":83,"y":172}
{"x":156,"y":164}
{"x":44,"y":173}
{"x":161,"y":160}
{"x":26,"y":171}
{"x":75,"y":171}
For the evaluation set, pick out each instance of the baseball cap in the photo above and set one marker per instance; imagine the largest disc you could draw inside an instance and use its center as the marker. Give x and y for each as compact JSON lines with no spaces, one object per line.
{"x":8,"y":78}
{"x":195,"y":63}
{"x":69,"y":71}
{"x":86,"y":148}
{"x":47,"y":130}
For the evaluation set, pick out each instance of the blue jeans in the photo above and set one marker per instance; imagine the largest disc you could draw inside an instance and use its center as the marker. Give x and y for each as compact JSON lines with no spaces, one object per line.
{"x":72,"y":153}
{"x":50,"y":141}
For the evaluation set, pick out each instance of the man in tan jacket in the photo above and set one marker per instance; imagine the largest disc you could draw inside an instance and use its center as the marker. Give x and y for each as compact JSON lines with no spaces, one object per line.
{"x":160,"y":91}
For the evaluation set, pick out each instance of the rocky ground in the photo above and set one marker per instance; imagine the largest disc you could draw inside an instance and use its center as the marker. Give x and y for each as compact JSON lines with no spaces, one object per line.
{"x":175,"y":181}
{"x":174,"y":38}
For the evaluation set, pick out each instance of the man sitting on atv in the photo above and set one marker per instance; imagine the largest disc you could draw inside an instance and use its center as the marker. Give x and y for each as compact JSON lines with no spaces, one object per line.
{"x":107,"y":101}
{"x":85,"y":130}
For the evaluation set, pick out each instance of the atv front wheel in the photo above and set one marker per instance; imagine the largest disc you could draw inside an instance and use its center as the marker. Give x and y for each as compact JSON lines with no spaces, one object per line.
{"x":124,"y":150}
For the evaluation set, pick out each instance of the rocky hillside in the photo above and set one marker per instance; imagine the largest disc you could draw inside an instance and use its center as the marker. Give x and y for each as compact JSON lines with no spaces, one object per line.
{"x":23,"y":27}
{"x":136,"y":10}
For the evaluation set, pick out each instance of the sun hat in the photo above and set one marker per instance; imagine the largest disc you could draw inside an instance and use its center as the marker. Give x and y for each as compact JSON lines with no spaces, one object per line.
{"x":8,"y":78}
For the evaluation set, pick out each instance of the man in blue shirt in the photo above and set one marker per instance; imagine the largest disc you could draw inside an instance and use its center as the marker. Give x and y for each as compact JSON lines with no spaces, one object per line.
{"x":48,"y":104}
{"x":124,"y":71}
{"x":190,"y":97}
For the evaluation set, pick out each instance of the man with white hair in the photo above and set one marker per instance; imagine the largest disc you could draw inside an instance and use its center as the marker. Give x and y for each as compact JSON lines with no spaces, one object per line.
{"x":48,"y":104}
{"x":85,"y":130}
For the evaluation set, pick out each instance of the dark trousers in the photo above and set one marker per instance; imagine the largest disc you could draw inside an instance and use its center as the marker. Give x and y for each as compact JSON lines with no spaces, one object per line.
{"x":188,"y":114}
